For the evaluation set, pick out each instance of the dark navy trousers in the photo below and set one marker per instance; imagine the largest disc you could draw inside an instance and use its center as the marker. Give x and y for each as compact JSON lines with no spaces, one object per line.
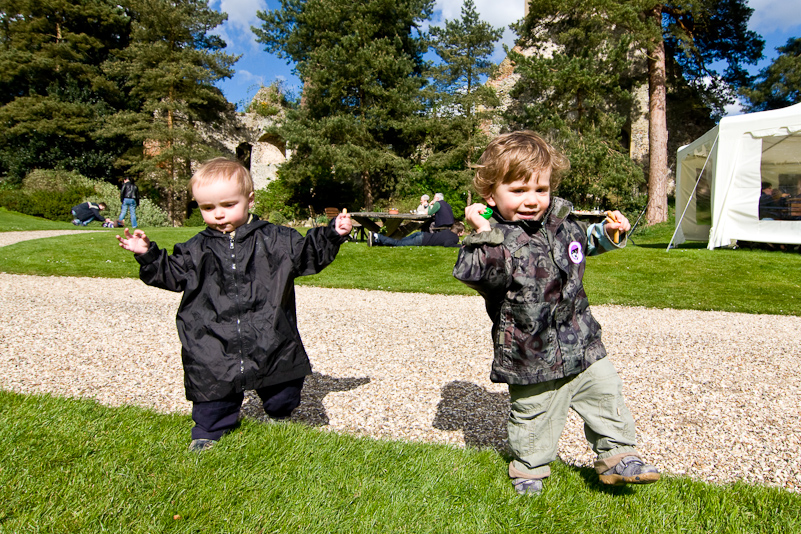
{"x":215,"y":418}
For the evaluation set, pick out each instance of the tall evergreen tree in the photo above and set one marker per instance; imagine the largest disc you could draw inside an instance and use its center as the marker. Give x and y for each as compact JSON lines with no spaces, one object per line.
{"x":461,"y":101}
{"x":697,"y":36}
{"x":778,"y":85}
{"x":575,"y":87}
{"x":170,"y":67}
{"x":53,"y":93}
{"x":362,"y":67}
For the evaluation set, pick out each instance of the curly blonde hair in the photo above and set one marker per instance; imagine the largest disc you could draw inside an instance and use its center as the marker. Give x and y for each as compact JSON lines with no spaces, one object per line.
{"x":517,"y":156}
{"x":223,"y":169}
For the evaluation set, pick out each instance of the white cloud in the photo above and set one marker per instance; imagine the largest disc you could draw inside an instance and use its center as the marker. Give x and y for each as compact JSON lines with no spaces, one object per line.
{"x":241,"y":16}
{"x":734,"y":109}
{"x":497,"y":14}
{"x":774,"y":15}
{"x":241,"y":13}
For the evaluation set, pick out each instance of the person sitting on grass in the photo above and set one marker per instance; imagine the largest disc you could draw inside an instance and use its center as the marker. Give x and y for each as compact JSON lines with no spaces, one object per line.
{"x":422,"y":239}
{"x":528,"y":264}
{"x":88,"y":212}
{"x":237,"y":320}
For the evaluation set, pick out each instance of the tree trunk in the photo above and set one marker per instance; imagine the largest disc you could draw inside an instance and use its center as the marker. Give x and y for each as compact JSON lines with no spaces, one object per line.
{"x":657,"y":211}
{"x":367,"y":187}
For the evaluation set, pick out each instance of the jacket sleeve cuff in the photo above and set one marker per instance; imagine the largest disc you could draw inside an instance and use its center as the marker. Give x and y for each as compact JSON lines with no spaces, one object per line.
{"x":494,"y":237}
{"x":332,"y":235}
{"x":150,"y":256}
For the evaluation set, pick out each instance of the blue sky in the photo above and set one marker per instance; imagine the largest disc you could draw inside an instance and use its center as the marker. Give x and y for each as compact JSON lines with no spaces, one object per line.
{"x":775,"y":20}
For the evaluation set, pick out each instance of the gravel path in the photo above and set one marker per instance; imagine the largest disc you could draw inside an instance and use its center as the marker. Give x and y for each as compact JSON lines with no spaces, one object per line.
{"x":714,"y":397}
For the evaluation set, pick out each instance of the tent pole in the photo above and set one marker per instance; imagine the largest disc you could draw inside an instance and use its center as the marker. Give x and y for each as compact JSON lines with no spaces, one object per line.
{"x":700,"y":174}
{"x":638,"y":218}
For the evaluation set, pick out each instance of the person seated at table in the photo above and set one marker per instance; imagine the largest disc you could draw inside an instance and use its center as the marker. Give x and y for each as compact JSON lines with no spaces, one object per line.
{"x":422,"y":209}
{"x":772,"y":203}
{"x":422,"y":239}
{"x":442,"y":212}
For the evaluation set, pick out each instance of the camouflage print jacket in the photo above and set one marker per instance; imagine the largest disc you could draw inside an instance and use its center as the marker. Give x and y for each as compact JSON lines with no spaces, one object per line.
{"x":530,"y":275}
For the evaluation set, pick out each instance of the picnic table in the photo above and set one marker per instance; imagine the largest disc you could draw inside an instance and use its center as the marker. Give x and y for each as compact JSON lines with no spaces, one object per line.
{"x":396,"y":225}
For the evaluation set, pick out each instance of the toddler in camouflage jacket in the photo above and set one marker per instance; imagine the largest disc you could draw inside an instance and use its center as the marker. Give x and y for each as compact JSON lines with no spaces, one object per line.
{"x":527,"y":260}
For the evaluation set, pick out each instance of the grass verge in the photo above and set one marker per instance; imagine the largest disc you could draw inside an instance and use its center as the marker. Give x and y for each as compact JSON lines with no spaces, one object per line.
{"x":76,"y":466}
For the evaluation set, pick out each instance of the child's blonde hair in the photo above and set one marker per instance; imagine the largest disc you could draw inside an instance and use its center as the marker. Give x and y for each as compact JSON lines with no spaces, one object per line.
{"x":517,"y":156}
{"x":223,"y":169}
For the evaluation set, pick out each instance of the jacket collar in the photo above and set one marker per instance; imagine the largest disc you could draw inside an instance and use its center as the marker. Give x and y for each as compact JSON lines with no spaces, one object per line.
{"x":557,"y":212}
{"x":243,"y":231}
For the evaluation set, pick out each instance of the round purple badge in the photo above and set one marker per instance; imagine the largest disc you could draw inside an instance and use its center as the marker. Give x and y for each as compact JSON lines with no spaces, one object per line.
{"x":576,"y":255}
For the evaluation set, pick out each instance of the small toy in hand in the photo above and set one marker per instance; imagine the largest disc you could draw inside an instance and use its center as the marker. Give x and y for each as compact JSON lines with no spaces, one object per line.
{"x":487,"y":213}
{"x":615,"y":235}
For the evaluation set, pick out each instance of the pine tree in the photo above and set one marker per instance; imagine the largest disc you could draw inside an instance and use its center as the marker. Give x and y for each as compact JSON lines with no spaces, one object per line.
{"x":461,"y":101}
{"x":695,"y":37}
{"x":575,"y":87}
{"x":778,"y":85}
{"x":170,"y":68}
{"x":362,"y":67}
{"x":53,"y":93}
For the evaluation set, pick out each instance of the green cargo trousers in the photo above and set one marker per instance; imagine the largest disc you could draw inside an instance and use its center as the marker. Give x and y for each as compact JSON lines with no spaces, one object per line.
{"x":539,"y":412}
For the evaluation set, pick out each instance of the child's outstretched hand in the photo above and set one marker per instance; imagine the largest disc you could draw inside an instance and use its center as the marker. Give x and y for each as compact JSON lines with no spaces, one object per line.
{"x":474,"y":215}
{"x":138,"y":243}
{"x":343,"y":225}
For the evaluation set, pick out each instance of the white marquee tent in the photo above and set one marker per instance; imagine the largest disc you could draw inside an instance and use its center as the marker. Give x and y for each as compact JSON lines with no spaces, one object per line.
{"x":719,"y":181}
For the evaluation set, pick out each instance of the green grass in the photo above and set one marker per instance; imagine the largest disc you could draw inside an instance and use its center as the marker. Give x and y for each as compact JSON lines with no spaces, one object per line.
{"x":11,"y":221}
{"x":645,"y":274}
{"x":76,"y":466}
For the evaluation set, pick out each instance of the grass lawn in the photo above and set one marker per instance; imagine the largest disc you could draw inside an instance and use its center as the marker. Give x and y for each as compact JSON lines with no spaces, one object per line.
{"x":75,"y":466}
{"x":11,"y":221}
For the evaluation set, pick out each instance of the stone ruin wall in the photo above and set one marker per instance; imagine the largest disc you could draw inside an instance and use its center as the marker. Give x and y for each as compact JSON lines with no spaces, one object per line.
{"x":245,"y":136}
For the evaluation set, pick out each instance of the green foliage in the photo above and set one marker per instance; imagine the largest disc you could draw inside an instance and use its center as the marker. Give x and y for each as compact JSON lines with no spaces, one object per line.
{"x":170,"y":68}
{"x":195,"y":219}
{"x":277,"y":197}
{"x":590,"y":56}
{"x":362,"y":66}
{"x":54,"y":204}
{"x":277,"y":217}
{"x":600,"y":174}
{"x":779,"y":84}
{"x":53,"y":193}
{"x":461,"y":103}
{"x":54,"y":96}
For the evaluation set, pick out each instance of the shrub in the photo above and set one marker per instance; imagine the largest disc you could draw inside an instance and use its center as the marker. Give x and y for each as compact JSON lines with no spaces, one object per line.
{"x":277,"y":217}
{"x":55,"y":180}
{"x":52,"y":194}
{"x":53,"y":205}
{"x":195,"y":219}
{"x":274,"y":198}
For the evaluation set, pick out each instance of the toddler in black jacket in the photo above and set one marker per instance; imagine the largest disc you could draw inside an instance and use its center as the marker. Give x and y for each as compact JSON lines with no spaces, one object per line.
{"x":237,"y":321}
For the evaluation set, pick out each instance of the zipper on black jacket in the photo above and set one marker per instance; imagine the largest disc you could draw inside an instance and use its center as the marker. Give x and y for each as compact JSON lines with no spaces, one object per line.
{"x":238,"y":305}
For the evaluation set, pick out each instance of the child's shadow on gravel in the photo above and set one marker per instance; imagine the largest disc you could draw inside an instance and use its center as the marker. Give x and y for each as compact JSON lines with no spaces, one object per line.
{"x":311,"y":410}
{"x":481,"y":414}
